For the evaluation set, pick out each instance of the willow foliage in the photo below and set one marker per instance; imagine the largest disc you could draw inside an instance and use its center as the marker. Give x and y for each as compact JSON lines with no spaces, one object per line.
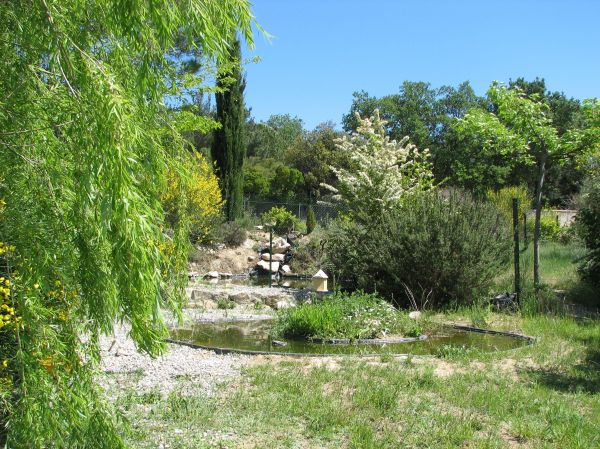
{"x":86,"y":147}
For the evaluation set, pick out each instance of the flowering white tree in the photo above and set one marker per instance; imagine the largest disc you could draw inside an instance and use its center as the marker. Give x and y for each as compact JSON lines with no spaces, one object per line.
{"x":381,"y":171}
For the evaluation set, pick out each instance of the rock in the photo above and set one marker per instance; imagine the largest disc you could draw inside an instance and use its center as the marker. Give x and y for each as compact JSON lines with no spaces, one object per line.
{"x":240,"y":297}
{"x":280,"y":245}
{"x":207,"y":304}
{"x":225,"y":275}
{"x":414,"y":315}
{"x":278,"y":343}
{"x":259,"y":227}
{"x":264,"y":265}
{"x":212,"y":274}
{"x":251,"y":258}
{"x":274,"y":257}
{"x":286,"y":269}
{"x":505,"y":301}
{"x":207,"y":297}
{"x":283,"y":304}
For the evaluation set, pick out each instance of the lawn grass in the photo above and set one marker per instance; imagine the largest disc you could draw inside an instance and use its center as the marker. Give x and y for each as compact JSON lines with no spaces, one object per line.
{"x":541,"y":396}
{"x":558,"y":265}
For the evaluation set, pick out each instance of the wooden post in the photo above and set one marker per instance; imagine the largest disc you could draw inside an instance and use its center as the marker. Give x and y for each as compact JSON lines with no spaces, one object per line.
{"x":525,"y":229}
{"x":515,"y":210}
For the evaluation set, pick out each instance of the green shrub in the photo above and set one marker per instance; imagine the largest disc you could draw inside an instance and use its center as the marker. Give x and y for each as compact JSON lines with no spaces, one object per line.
{"x":588,"y":223}
{"x":443,"y":249}
{"x":308,"y":254}
{"x":284,"y":220}
{"x":567,"y":234}
{"x":550,"y":229}
{"x":233,"y":234}
{"x":341,"y":315}
{"x":225,"y":304}
{"x":311,"y":220}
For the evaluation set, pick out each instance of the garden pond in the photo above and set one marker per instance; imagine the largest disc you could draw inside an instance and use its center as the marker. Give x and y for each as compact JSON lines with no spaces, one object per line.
{"x":254,"y":336}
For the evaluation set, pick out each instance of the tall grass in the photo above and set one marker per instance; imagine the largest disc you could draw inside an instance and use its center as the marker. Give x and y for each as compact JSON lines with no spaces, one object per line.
{"x":558,"y":265}
{"x":341,"y":315}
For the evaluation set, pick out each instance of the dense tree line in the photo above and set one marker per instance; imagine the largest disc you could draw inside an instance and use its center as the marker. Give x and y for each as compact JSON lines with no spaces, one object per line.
{"x":285,"y":161}
{"x":428,"y":115}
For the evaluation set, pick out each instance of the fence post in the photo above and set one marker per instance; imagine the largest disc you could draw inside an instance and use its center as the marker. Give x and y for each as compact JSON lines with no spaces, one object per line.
{"x":515,"y":210}
{"x":525,"y":241}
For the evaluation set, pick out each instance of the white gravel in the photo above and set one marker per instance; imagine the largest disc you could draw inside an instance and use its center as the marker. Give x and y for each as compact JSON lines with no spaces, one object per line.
{"x":201,"y":370}
{"x":240,"y":313}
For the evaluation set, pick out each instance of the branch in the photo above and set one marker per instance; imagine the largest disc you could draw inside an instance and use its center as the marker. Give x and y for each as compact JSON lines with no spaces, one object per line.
{"x":24,"y":131}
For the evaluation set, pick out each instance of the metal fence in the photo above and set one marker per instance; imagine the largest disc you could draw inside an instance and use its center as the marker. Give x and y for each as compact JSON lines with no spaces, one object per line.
{"x":324,"y":211}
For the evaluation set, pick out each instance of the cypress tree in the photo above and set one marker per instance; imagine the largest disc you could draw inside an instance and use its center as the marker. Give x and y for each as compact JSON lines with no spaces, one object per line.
{"x":229,"y":147}
{"x":311,"y":220}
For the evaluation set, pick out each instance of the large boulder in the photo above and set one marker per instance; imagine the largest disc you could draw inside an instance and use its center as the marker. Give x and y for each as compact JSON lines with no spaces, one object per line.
{"x":280,"y":245}
{"x":240,"y":297}
{"x":264,"y":266}
{"x":274,"y":257}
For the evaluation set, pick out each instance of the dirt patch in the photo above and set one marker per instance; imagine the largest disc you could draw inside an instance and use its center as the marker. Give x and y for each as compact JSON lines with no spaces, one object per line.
{"x":444,"y":369}
{"x":225,"y":260}
{"x":513,"y":442}
{"x":306,"y":363}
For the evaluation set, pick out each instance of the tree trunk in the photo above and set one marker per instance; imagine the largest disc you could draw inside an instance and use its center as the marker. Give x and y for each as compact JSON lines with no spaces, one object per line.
{"x":541,"y":165}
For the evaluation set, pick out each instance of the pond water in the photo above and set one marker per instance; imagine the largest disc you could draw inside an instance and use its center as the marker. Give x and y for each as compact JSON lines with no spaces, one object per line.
{"x":254,"y":336}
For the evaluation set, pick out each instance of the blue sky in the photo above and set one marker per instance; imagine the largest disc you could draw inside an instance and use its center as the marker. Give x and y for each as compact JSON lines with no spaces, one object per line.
{"x":324,"y":50}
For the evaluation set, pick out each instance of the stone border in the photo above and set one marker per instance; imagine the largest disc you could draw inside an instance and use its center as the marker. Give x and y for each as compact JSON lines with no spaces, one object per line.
{"x":530,"y":340}
{"x":365,"y":341}
{"x":480,"y":330}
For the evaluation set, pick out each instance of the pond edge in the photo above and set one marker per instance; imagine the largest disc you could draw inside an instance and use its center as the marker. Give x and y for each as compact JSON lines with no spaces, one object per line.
{"x":222,"y":351}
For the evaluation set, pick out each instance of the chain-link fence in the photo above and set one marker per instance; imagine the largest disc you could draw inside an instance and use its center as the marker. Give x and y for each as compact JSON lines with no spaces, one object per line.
{"x":324,"y":211}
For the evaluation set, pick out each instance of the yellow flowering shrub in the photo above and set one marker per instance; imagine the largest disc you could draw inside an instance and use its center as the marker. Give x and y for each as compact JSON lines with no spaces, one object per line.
{"x":8,"y":318}
{"x":503,"y":200}
{"x":203,"y":197}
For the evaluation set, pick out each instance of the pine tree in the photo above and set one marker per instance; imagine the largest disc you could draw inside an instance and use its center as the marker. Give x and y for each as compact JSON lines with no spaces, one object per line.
{"x":229,"y":148}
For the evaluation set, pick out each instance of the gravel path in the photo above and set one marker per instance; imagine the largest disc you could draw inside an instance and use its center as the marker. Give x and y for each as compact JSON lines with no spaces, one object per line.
{"x":201,"y":370}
